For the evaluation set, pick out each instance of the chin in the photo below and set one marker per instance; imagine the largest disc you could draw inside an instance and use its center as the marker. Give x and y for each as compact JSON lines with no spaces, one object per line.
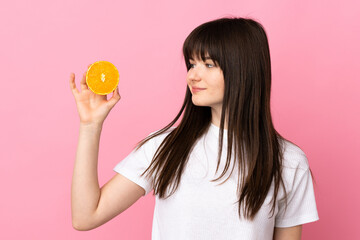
{"x":200,"y":104}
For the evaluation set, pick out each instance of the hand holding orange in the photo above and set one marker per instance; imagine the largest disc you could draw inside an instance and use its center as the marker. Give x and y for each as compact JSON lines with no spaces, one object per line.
{"x":98,"y":79}
{"x":102,"y":77}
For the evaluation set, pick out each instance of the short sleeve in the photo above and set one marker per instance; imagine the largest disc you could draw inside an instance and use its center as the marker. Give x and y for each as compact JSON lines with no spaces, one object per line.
{"x":301,"y":202}
{"x":136,"y":163}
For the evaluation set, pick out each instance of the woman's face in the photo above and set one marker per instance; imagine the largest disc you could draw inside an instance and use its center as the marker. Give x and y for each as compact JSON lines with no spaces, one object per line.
{"x":210,"y":78}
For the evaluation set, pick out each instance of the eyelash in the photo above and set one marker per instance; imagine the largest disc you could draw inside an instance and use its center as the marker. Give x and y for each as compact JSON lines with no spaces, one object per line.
{"x":190,"y":65}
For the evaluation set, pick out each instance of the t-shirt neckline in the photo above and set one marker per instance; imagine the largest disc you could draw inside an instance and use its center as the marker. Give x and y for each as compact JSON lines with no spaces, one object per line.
{"x":215,"y":129}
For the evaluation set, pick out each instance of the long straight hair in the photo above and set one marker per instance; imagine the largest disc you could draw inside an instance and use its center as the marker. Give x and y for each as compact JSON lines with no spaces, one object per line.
{"x":240,"y":47}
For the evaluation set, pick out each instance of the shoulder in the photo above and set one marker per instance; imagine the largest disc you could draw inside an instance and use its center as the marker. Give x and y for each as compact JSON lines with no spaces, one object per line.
{"x":148,"y":146}
{"x":156,"y":138}
{"x":295,"y":169}
{"x":293,"y":156}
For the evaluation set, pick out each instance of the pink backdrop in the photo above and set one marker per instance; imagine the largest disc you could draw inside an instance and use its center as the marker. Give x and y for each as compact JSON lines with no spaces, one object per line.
{"x":315,"y":100}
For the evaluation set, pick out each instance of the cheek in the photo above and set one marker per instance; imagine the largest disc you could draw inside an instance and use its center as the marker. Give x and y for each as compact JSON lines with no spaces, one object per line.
{"x":220,"y":84}
{"x":221,"y":88}
{"x":187,"y":80}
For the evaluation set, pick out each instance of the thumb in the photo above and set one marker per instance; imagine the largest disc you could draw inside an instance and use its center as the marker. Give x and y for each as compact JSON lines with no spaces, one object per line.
{"x":115,"y":98}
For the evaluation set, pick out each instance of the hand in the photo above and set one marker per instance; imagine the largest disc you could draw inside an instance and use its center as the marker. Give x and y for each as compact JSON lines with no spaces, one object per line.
{"x":92,"y":108}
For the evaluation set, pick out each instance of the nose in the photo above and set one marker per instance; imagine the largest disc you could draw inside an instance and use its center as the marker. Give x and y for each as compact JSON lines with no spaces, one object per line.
{"x":194,"y":74}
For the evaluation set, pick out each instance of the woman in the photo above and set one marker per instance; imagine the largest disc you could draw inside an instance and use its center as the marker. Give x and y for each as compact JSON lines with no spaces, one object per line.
{"x":226,"y":133}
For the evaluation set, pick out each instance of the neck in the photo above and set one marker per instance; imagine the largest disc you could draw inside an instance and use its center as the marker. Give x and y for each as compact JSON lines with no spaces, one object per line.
{"x":216,"y":117}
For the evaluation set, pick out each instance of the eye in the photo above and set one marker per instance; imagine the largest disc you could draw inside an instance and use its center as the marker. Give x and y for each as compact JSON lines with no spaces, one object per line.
{"x":209,"y":65}
{"x":190,"y":66}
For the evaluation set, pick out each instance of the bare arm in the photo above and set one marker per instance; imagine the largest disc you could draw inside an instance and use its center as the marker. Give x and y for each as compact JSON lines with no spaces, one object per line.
{"x":289,"y":233}
{"x":90,"y":205}
{"x":85,"y":190}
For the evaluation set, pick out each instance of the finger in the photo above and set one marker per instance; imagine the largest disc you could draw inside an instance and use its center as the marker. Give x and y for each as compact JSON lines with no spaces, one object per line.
{"x":72,"y":84}
{"x":83,"y":84}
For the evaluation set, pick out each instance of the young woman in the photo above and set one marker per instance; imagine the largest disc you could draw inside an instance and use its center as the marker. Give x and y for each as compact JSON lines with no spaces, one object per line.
{"x":224,"y":172}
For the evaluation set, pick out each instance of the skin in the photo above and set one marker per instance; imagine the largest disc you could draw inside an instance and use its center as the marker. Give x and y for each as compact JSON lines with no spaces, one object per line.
{"x":289,"y":233}
{"x":209,"y":76}
{"x":92,"y":206}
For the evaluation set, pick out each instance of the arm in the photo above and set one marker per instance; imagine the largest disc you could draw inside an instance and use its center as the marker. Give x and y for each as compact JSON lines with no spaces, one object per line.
{"x":90,"y":205}
{"x":85,"y":190}
{"x":289,"y":233}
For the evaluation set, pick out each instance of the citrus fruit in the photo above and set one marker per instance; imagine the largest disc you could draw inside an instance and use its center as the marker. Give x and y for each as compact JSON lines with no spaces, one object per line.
{"x":102,"y":77}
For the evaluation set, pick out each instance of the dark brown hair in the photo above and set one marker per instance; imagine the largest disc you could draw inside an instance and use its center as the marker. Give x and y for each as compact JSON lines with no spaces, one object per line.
{"x":240,"y":47}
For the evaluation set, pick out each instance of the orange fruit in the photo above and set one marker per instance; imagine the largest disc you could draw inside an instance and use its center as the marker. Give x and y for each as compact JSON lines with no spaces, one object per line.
{"x":102,"y":77}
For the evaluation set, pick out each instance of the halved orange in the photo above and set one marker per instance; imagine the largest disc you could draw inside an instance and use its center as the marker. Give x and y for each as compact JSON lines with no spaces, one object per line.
{"x":102,"y":77}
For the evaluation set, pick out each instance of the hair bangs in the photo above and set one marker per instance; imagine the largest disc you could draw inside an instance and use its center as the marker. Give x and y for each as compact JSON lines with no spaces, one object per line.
{"x":202,"y":42}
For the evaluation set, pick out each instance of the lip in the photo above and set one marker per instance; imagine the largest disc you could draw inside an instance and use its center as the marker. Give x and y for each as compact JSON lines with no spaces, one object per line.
{"x":195,"y":89}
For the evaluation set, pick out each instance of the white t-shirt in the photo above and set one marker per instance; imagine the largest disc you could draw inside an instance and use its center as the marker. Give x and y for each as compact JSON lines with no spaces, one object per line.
{"x":200,"y":209}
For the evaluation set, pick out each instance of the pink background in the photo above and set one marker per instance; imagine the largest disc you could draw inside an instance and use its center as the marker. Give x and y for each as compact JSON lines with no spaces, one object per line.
{"x":315,"y":100}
